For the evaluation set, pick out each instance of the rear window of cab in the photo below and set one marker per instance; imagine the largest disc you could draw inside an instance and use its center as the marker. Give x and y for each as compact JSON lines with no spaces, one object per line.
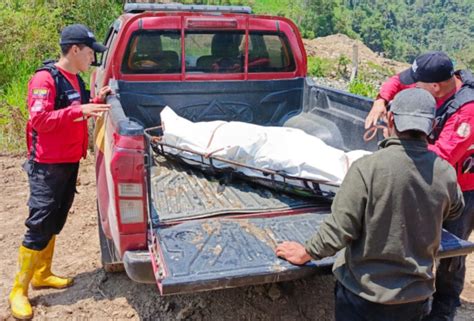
{"x":160,"y":52}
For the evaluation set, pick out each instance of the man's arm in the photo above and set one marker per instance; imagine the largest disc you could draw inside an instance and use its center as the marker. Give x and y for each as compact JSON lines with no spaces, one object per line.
{"x":457,"y":202}
{"x":387,"y":92}
{"x":345,"y":223}
{"x":339,"y":229}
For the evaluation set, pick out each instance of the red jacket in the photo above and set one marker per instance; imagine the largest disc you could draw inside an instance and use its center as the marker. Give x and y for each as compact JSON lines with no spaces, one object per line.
{"x":456,"y":141}
{"x":54,"y":136}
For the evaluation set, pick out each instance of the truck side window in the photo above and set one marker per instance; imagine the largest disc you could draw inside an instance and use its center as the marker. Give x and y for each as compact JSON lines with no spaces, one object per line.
{"x":270,"y":53}
{"x":153,"y":52}
{"x":108,"y":42}
{"x":215,"y":51}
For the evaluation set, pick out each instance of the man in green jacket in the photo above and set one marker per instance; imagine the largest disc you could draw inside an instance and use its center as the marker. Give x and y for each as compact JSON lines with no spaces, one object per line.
{"x":387,"y":215}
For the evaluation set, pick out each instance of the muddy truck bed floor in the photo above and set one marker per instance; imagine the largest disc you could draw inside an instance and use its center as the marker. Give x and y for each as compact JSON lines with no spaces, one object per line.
{"x":182,"y":192}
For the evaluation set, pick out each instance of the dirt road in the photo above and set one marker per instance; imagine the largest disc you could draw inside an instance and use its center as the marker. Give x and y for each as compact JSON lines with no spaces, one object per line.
{"x":97,"y":295}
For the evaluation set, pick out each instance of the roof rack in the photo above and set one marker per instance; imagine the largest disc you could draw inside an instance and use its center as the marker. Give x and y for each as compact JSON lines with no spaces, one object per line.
{"x":141,"y":7}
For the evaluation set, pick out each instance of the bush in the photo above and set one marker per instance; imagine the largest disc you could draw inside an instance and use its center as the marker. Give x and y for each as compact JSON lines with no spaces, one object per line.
{"x":26,"y":40}
{"x":319,"y":67}
{"x":13,"y":112}
{"x":343,"y":66}
{"x":30,"y":34}
{"x":362,"y":88}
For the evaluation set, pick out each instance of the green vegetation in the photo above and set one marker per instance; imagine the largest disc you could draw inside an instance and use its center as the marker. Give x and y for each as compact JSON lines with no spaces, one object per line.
{"x":401,"y":29}
{"x":319,"y":67}
{"x":30,"y":34}
{"x":363,"y":88}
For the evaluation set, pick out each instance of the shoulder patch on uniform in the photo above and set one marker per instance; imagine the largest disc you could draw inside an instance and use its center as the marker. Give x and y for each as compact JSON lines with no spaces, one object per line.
{"x":39,"y":93}
{"x":464,"y":130}
{"x":37,"y":106}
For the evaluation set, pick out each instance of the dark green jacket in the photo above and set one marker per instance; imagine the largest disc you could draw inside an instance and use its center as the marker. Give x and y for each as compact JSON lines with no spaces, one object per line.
{"x":388,"y":215}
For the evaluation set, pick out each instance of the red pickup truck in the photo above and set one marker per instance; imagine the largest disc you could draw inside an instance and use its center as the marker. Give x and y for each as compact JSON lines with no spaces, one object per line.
{"x":181,"y":227}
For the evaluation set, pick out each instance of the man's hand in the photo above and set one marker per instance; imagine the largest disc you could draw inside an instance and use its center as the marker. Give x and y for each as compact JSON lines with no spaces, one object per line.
{"x":103,"y":92}
{"x":94,"y":110}
{"x":293,"y":252}
{"x":378,"y":111}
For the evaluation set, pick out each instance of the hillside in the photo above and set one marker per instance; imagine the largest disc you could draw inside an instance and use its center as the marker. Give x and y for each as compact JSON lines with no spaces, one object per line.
{"x":330,"y":62}
{"x":335,"y":46}
{"x":401,"y":29}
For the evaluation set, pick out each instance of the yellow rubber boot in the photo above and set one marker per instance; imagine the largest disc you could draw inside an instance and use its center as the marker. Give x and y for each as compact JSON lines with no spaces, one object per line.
{"x":43,"y":277}
{"x":18,"y":298}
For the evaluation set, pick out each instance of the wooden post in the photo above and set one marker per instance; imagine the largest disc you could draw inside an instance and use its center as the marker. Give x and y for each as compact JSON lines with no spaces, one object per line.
{"x":355,"y":61}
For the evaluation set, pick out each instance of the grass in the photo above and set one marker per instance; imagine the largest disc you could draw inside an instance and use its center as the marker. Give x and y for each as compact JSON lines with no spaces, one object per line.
{"x":29,"y":34}
{"x":319,"y":67}
{"x":363,"y":88}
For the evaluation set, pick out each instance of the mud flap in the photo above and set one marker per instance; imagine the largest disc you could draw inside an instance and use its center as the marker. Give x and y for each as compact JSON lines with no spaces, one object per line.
{"x":222,"y":252}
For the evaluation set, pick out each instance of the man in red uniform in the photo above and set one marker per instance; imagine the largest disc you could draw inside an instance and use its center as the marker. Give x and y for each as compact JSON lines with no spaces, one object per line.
{"x":57,"y":138}
{"x":452,"y":139}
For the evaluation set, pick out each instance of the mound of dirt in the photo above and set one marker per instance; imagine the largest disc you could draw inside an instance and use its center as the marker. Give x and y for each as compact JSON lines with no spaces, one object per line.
{"x":335,"y":46}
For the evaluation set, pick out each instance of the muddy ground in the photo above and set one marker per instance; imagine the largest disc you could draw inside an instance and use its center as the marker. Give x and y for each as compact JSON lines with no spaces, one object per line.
{"x":97,"y":295}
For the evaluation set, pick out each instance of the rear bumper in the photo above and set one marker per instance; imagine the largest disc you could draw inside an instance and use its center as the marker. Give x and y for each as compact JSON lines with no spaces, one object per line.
{"x":179,"y":285}
{"x":138,"y":266}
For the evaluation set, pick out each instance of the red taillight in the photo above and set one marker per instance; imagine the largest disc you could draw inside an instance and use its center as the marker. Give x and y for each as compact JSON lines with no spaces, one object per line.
{"x":128,"y":172}
{"x":206,"y":23}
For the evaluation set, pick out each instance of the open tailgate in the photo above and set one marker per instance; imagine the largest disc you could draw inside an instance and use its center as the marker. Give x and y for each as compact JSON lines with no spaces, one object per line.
{"x":228,"y":252}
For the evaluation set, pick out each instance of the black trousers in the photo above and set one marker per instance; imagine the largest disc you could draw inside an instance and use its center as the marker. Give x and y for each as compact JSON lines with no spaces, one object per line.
{"x":351,"y":307}
{"x":52,"y":189}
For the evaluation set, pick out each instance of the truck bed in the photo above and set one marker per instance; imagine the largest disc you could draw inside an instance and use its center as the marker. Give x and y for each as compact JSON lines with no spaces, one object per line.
{"x":181,"y":192}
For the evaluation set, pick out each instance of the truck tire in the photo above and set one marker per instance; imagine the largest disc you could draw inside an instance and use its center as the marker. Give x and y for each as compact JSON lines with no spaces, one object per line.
{"x":109,"y":258}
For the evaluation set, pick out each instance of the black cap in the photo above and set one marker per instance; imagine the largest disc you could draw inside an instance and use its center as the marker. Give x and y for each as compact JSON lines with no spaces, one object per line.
{"x":80,"y":34}
{"x":434,"y":66}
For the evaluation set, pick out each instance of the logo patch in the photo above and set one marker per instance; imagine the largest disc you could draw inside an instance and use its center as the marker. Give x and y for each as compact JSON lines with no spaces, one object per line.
{"x":39,"y":93}
{"x":464,"y":130}
{"x":414,"y":67}
{"x":37,"y":106}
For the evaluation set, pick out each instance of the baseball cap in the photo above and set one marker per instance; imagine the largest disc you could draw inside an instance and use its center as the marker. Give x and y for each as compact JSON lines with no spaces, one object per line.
{"x":433,"y":66}
{"x":414,"y":109}
{"x":80,"y":34}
